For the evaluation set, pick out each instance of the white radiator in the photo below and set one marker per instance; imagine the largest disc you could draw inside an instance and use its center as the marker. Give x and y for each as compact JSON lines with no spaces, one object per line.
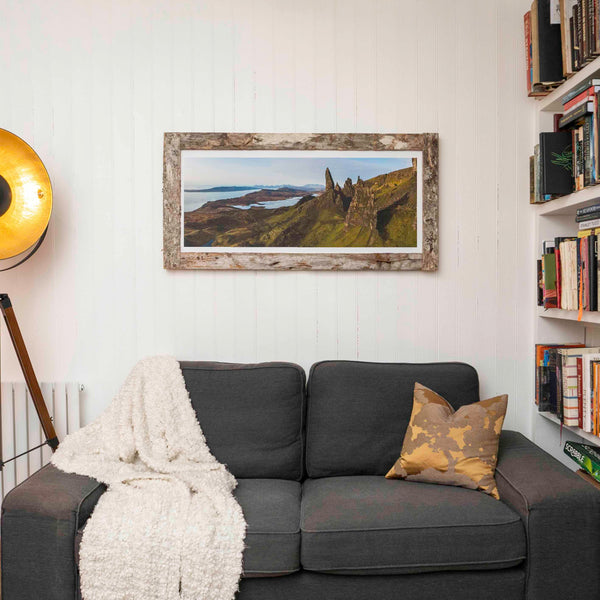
{"x":21,"y":429}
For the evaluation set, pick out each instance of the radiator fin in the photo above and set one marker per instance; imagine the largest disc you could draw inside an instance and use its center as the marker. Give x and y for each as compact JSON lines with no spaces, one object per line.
{"x":21,"y":428}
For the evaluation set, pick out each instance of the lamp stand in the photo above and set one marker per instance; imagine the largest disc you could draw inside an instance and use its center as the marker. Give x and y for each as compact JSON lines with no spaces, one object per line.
{"x":30,"y":379}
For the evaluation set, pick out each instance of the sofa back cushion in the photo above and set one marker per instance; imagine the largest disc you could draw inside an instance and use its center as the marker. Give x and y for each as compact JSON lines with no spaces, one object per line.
{"x":358,"y":412}
{"x":252,"y":415}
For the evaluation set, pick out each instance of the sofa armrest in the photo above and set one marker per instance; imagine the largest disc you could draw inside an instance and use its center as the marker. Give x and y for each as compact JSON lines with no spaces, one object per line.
{"x":561,"y":514}
{"x":40,"y":518}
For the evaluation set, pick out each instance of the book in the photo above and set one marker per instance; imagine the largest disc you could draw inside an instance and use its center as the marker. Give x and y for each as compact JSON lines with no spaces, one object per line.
{"x":587,"y":363}
{"x":588,"y":209}
{"x":589,"y":224}
{"x":549,"y":272}
{"x":546,"y":41}
{"x":536,"y":172}
{"x":572,"y":383}
{"x":566,"y":20}
{"x":556,"y":156}
{"x":586,"y":456}
{"x":576,"y":114}
{"x":587,"y":217}
{"x":527,"y":27}
{"x":568,"y":274}
{"x":579,"y":361}
{"x":593,"y":262}
{"x":532,"y":169}
{"x":540,"y":285}
{"x":542,"y":357}
{"x":577,"y":102}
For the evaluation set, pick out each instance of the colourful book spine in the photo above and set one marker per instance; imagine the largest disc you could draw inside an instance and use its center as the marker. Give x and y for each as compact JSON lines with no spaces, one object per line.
{"x":527,"y":22}
{"x":579,"y":392}
{"x":549,"y":270}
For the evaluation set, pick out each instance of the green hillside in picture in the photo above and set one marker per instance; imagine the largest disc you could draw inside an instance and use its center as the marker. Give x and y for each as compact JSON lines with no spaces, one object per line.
{"x":377,"y":212}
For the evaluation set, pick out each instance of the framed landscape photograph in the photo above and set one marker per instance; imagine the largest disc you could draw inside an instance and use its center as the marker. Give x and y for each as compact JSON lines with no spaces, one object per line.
{"x":300,"y":201}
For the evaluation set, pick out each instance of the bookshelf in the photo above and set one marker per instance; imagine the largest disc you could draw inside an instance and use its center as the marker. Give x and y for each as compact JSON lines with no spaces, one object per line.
{"x":552,"y":102}
{"x":552,"y":219}
{"x":592,"y":439}
{"x":588,"y":318}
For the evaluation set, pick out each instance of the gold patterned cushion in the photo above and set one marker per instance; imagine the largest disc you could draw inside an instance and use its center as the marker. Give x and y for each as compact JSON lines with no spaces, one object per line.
{"x":452,"y":448}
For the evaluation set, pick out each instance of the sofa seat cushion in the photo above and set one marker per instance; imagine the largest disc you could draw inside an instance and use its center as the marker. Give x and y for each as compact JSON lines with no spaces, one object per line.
{"x":272,"y":511}
{"x":369,"y":525}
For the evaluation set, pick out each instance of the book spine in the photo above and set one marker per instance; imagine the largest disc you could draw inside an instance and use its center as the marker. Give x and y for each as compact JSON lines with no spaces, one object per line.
{"x":558,"y":272}
{"x":587,"y":217}
{"x":588,"y":209}
{"x":597,"y":263}
{"x":574,"y":46}
{"x":579,"y":99}
{"x":597,"y":25}
{"x":579,"y":393}
{"x":563,"y":38}
{"x":593,"y":272}
{"x":587,"y":384}
{"x":559,"y":388}
{"x":581,"y":157}
{"x":527,"y":25}
{"x":587,"y":155}
{"x":594,"y":405}
{"x":576,"y":114}
{"x":592,"y":26}
{"x":590,"y":224}
{"x":540,"y":284}
{"x":586,"y":255}
{"x":569,"y":390}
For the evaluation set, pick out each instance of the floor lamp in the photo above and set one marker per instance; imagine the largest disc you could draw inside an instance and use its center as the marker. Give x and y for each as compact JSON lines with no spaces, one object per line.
{"x":25,"y":208}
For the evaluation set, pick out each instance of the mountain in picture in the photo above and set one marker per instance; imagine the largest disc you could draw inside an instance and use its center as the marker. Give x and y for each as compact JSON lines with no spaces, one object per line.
{"x":377,"y":212}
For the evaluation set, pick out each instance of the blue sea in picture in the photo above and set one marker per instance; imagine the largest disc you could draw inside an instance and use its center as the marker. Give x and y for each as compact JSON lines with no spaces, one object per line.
{"x":272,"y":203}
{"x":196,"y":199}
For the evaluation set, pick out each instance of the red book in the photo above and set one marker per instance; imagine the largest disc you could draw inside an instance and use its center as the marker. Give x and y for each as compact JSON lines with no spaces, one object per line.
{"x":580,"y":391}
{"x":558,"y":278}
{"x":589,"y":93}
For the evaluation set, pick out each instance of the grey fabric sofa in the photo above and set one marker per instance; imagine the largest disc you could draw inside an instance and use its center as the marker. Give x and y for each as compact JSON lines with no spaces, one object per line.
{"x":323,"y":522}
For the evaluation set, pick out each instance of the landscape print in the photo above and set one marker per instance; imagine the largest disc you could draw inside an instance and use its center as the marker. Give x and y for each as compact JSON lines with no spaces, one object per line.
{"x":302,"y":200}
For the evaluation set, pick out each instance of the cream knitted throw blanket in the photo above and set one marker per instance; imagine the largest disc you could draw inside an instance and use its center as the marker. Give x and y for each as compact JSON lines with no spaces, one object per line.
{"x":168,"y":526}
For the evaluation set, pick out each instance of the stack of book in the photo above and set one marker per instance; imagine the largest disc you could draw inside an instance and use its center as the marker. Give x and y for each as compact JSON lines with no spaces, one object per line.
{"x":543,"y":47}
{"x":568,"y":384}
{"x":568,"y":271}
{"x":580,"y":33}
{"x":580,"y":119}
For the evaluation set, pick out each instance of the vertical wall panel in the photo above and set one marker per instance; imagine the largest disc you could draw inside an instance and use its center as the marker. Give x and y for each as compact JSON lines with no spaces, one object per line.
{"x":9,"y":479}
{"x":21,"y":432}
{"x":101,"y":82}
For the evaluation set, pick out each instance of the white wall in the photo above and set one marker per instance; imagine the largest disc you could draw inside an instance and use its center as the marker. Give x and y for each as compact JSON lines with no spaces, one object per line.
{"x":93,"y":84}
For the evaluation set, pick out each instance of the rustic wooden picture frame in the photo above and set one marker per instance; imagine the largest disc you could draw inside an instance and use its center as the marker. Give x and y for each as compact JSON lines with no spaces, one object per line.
{"x":175,"y":258}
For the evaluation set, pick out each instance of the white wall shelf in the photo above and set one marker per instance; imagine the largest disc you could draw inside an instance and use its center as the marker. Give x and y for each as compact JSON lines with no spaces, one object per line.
{"x":568,"y":205}
{"x":590,"y":437}
{"x":588,"y":318}
{"x":553,"y":101}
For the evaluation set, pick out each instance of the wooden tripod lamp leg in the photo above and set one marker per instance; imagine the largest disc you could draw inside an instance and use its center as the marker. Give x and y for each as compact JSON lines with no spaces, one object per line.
{"x":28,"y":372}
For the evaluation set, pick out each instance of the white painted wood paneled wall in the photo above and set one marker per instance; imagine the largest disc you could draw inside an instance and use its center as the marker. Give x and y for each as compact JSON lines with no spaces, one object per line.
{"x":93,"y":85}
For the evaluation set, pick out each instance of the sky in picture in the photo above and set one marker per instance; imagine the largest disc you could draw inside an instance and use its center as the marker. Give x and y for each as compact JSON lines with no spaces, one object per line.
{"x":202,"y":172}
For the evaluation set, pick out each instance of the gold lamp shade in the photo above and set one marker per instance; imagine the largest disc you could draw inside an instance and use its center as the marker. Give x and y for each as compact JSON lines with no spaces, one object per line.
{"x":25,"y":196}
